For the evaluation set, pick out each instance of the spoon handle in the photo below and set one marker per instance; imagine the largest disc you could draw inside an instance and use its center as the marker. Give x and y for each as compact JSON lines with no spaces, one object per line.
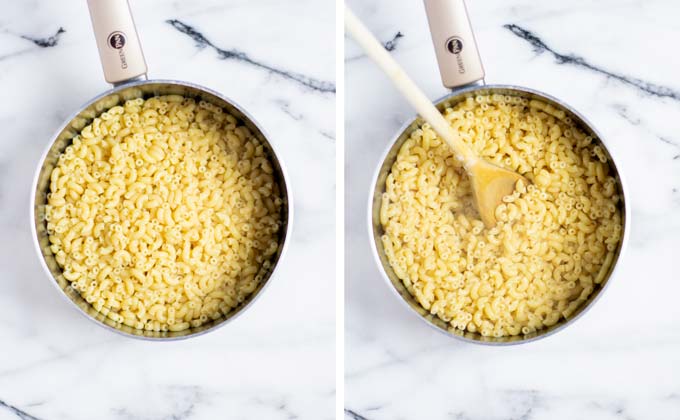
{"x":407,"y":87}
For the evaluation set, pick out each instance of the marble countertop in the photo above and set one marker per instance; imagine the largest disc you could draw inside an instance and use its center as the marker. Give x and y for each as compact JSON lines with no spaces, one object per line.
{"x":277,"y":361}
{"x":615,"y":62}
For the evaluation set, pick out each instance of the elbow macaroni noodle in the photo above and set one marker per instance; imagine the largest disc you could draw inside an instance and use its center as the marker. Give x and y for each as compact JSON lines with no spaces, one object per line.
{"x":164,"y":213}
{"x":555,"y":239}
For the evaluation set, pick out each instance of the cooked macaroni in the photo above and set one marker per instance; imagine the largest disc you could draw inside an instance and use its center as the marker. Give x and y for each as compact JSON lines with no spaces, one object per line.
{"x":163,"y":213}
{"x":555,"y":239}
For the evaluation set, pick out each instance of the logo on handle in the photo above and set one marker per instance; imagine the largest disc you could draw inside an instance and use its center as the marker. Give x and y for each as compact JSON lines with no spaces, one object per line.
{"x":455,"y":46}
{"x":116,"y":40}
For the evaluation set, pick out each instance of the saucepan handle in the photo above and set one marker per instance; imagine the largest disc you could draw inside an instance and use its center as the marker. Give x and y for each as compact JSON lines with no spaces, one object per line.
{"x":119,"y":48}
{"x":454,"y":42}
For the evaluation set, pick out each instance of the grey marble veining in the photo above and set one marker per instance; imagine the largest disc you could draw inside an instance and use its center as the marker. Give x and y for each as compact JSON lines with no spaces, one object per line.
{"x":539,"y":47}
{"x":234,"y":54}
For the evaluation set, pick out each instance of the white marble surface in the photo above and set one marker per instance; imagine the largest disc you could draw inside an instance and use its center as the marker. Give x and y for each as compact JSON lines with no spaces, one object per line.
{"x":274,"y":362}
{"x":622,"y":359}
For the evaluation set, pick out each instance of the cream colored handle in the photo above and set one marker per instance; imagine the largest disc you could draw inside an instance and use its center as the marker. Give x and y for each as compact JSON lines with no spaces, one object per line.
{"x":411,"y":92}
{"x":119,"y":48}
{"x":454,"y":42}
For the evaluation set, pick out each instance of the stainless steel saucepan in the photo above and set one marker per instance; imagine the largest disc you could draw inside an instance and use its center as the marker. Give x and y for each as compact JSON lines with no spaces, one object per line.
{"x":461,"y":70}
{"x":124,"y":67}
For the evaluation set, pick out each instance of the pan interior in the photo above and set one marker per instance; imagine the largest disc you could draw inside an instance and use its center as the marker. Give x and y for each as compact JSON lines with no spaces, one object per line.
{"x":84,"y":117}
{"x":377,"y":230}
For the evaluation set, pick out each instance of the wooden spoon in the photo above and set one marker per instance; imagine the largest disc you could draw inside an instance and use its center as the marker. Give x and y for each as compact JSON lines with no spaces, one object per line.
{"x":490,"y":183}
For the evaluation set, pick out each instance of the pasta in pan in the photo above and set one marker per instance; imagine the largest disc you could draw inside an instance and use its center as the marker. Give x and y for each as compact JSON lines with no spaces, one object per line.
{"x":164,"y":213}
{"x":555,"y":238}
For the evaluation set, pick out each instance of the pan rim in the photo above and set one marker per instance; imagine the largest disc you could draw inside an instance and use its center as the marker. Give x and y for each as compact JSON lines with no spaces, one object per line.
{"x":286,"y":183}
{"x":373,"y":240}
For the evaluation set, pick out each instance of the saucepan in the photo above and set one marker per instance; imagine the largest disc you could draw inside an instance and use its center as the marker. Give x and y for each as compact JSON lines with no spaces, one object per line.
{"x":461,"y":70}
{"x":125,"y":68}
